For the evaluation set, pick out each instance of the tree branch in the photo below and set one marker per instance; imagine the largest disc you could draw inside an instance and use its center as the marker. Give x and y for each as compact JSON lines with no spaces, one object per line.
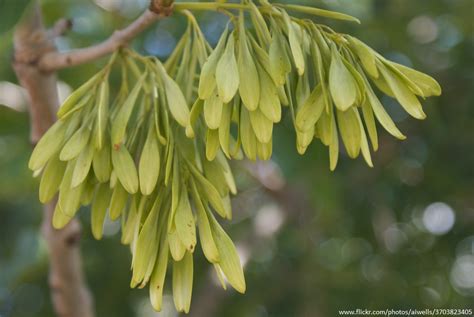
{"x":54,"y":60}
{"x":69,"y":293}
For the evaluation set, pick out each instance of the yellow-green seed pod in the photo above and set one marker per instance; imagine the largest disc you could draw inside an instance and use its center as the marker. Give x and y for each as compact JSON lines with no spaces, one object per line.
{"x":183,"y":283}
{"x":295,"y":42}
{"x":247,"y":136}
{"x":369,"y":119}
{"x":52,"y":176}
{"x":146,"y":247}
{"x":366,"y":55}
{"x":208,"y":245}
{"x":310,"y":111}
{"x":72,"y":100}
{"x":229,"y":259}
{"x":350,"y":131}
{"x":69,"y":197}
{"x":207,"y":81}
{"x":269,"y":101}
{"x":149,"y":166}
{"x":83,"y":165}
{"x":428,"y":85}
{"x":118,"y":201}
{"x":249,"y":87}
{"x":264,"y":150}
{"x":76,"y":144}
{"x":212,"y":144}
{"x":102,"y":114}
{"x":224,"y":129}
{"x":184,"y":221}
{"x":208,"y":192}
{"x":102,"y":164}
{"x":227,"y":72}
{"x":280,"y":64}
{"x":157,"y":281}
{"x":213,"y":111}
{"x":404,"y":95}
{"x":342,"y":84}
{"x":364,"y":144}
{"x":60,"y":220}
{"x":125,"y":169}
{"x":382,"y":116}
{"x":175,"y":99}
{"x":99,"y":210}
{"x":262,"y":126}
{"x":120,"y":121}
{"x":177,"y":248}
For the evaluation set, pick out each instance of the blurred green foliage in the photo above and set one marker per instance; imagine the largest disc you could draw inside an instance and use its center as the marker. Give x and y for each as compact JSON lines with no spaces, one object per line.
{"x":356,"y":238}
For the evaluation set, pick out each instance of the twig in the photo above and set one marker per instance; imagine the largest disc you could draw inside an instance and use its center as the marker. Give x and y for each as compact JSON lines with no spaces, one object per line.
{"x":53,"y":61}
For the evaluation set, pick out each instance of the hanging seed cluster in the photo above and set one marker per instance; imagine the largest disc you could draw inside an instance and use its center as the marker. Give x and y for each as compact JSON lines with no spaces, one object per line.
{"x":129,"y":158}
{"x":325,"y":78}
{"x":143,"y":155}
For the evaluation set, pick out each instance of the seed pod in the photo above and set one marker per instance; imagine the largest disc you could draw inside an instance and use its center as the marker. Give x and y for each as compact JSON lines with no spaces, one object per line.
{"x":262,"y":126}
{"x":208,"y":245}
{"x":207,"y":81}
{"x":212,"y":144}
{"x":60,"y":220}
{"x":177,"y":248}
{"x":310,"y":111}
{"x":82,"y":92}
{"x":76,"y":144}
{"x":364,"y":144}
{"x":125,"y":169}
{"x":369,"y":119}
{"x":51,"y":179}
{"x":120,"y":122}
{"x":382,"y":116}
{"x":146,"y":248}
{"x":224,"y":129}
{"x":269,"y":101}
{"x":428,"y":85}
{"x":102,"y":114}
{"x":99,"y":210}
{"x":213,"y":111}
{"x":149,"y":166}
{"x":247,"y":136}
{"x":280,"y":64}
{"x":69,"y":197}
{"x":407,"y":99}
{"x":118,"y":201}
{"x":101,"y":163}
{"x":157,"y":281}
{"x":184,"y":220}
{"x":366,"y":55}
{"x":342,"y":85}
{"x":208,"y":192}
{"x":175,"y":98}
{"x":334,"y":146}
{"x":249,"y":87}
{"x":49,"y":144}
{"x":264,"y":150}
{"x":227,"y":73}
{"x":183,"y":283}
{"x":131,"y":217}
{"x":83,"y":165}
{"x":350,"y":131}
{"x":295,"y":44}
{"x":229,"y":259}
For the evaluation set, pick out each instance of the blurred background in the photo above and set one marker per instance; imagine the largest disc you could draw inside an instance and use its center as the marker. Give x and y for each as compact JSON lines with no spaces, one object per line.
{"x":400,"y":235}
